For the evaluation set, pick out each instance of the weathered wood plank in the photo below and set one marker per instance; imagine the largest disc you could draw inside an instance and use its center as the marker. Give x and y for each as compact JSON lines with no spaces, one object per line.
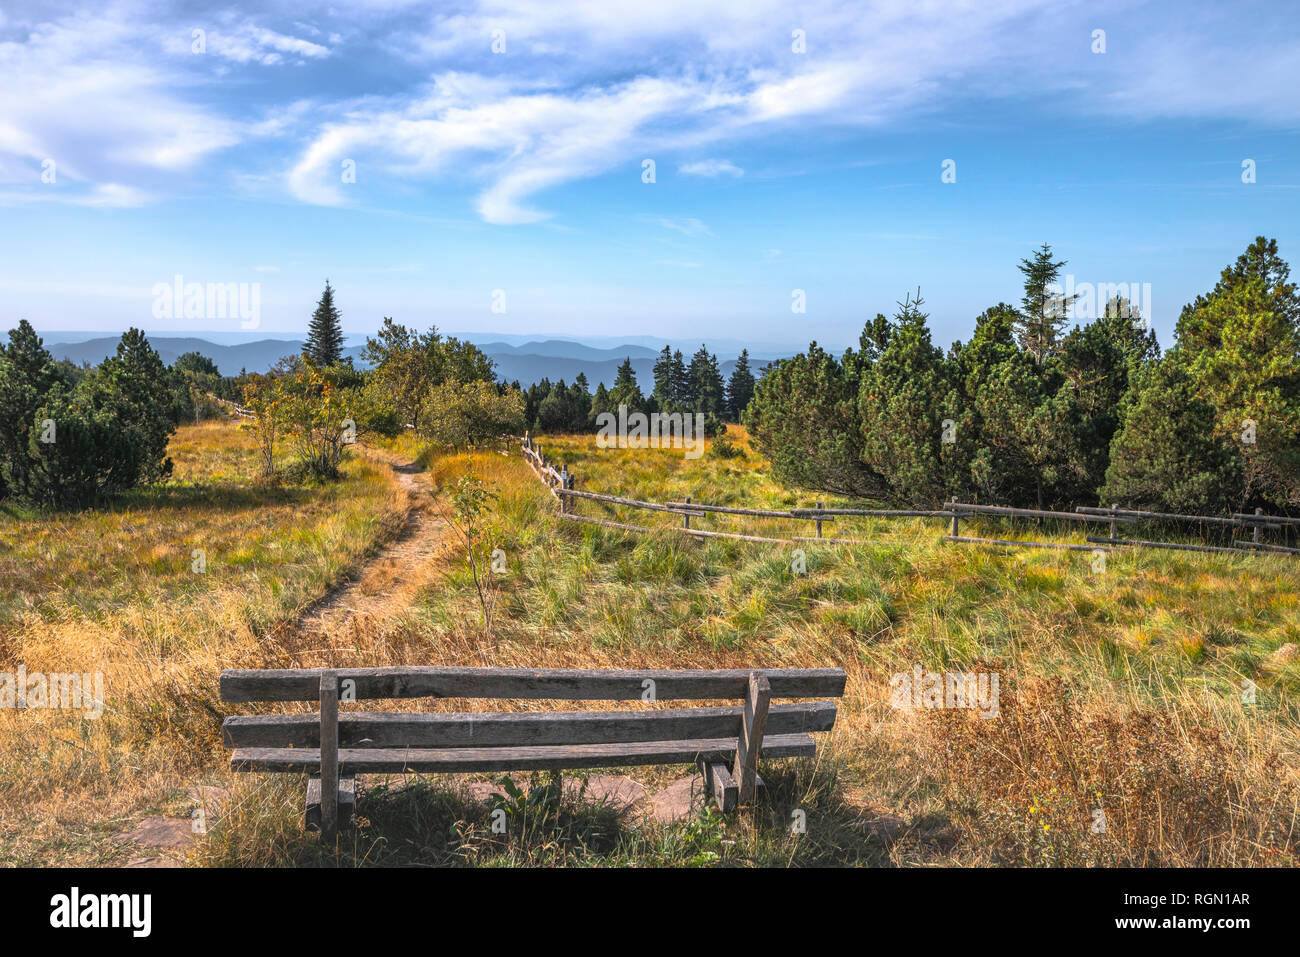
{"x":464,"y":760}
{"x":1067,"y":546}
{"x":347,"y":802}
{"x":751,"y":741}
{"x":719,"y":783}
{"x":1081,"y":515}
{"x":512,"y":729}
{"x":557,"y":683}
{"x":329,"y":755}
{"x":1174,"y":546}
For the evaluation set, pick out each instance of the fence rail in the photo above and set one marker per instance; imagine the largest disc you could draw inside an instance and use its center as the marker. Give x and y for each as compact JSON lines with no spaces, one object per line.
{"x":561,"y":483}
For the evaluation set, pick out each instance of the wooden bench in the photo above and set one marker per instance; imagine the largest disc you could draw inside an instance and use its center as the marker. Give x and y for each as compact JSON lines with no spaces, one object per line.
{"x":725,"y":742}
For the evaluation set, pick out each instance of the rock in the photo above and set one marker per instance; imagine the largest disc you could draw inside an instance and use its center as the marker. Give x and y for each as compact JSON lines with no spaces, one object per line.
{"x":482,"y":791}
{"x":160,"y":832}
{"x":617,"y":791}
{"x":887,"y":827}
{"x":209,"y":795}
{"x":210,"y":798}
{"x":162,"y":860}
{"x":678,"y":801}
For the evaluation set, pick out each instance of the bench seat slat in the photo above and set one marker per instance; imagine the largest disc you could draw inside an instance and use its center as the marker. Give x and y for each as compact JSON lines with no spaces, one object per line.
{"x":461,"y":730}
{"x":527,"y":758}
{"x":553,"y":683}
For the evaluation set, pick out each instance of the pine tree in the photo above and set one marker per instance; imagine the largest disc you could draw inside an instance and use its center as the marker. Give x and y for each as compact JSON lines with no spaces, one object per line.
{"x":740,"y":387}
{"x":665,"y":388}
{"x":26,"y":377}
{"x":599,"y":404}
{"x":681,"y":383}
{"x":706,"y":383}
{"x":324,"y":345}
{"x":902,"y":403}
{"x":804,"y":419}
{"x":1043,"y":312}
{"x":626,"y":391}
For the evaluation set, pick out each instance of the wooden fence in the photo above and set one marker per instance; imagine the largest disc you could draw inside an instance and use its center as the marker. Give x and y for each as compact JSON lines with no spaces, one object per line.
{"x":562,"y":484}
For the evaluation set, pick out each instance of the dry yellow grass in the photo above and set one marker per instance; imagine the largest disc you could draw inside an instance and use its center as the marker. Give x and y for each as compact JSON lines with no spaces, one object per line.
{"x":1163,"y":635}
{"x":115,"y":592}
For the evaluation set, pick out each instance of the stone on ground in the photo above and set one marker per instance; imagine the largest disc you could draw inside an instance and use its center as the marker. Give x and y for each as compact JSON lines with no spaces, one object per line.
{"x":164,"y":832}
{"x":618,"y":791}
{"x":679,"y":801}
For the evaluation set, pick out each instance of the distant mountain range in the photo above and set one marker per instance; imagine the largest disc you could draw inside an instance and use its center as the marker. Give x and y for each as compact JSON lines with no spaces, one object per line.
{"x":527,"y":362}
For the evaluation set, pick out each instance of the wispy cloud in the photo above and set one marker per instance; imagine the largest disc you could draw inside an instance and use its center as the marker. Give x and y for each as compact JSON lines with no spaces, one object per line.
{"x":420,"y":100}
{"x":688,"y":226}
{"x":711,"y":168}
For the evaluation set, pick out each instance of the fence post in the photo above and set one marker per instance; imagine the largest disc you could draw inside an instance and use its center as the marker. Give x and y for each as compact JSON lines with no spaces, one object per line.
{"x":953,"y":505}
{"x":819,"y":520}
{"x":1113,"y":530}
{"x":686,"y":519}
{"x":1258,"y":527}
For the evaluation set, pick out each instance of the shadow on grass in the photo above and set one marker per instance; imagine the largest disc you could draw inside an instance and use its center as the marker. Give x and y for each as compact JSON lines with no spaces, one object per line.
{"x":423,"y":822}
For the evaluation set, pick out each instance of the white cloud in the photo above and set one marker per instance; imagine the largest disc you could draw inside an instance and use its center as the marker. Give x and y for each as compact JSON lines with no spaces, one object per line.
{"x":711,"y":168}
{"x":102,"y":195}
{"x":687,"y":227}
{"x":77,"y":92}
{"x":249,"y":43}
{"x":522,"y":142}
{"x":117,"y":99}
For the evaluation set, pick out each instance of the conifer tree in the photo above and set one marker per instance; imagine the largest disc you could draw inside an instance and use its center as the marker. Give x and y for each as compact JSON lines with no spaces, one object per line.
{"x":740,"y":387}
{"x":1043,"y":311}
{"x":324,"y":345}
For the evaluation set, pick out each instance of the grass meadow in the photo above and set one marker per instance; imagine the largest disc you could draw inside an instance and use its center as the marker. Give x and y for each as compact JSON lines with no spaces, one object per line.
{"x":1121,"y":691}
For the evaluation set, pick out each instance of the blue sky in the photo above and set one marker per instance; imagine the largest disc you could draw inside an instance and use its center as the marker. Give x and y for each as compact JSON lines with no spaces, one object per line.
{"x":522,"y":170}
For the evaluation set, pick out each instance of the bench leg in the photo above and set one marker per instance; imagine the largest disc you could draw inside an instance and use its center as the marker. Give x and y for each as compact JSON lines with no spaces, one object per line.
{"x":720,"y":785}
{"x":347,"y":802}
{"x":329,"y":756}
{"x":750,"y":742}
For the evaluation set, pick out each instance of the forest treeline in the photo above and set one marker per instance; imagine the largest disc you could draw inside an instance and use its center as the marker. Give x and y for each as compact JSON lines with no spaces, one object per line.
{"x":679,"y":386}
{"x":1026,"y":413}
{"x":73,"y":436}
{"x":1029,"y":414}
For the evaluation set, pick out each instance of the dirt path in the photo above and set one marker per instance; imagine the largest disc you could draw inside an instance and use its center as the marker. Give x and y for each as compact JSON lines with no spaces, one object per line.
{"x":387,"y":583}
{"x":380,"y":591}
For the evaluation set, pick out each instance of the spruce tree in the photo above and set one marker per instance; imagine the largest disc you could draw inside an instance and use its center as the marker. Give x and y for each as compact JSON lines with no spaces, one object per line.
{"x":27,"y":376}
{"x":626,"y":391}
{"x":1043,"y":313}
{"x":324,"y":345}
{"x":706,"y":383}
{"x":681,"y":382}
{"x":665,"y":388}
{"x":903,"y":399}
{"x":740,"y":387}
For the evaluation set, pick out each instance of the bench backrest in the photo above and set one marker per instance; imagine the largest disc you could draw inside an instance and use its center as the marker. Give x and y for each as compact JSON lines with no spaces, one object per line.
{"x":552,"y":683}
{"x":476,"y":729}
